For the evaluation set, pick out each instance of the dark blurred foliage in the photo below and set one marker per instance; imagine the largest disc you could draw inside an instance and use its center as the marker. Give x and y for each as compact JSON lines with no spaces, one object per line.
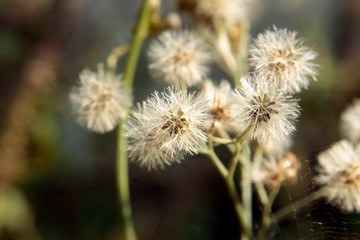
{"x":57,"y":180}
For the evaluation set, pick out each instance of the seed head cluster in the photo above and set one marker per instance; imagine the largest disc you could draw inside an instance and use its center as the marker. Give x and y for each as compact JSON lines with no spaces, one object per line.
{"x":176,"y":122}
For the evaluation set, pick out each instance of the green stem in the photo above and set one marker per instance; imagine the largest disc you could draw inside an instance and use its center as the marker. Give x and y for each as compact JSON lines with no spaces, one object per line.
{"x":123,"y":183}
{"x":267,"y":205}
{"x":220,"y":140}
{"x":246,"y":186}
{"x":140,"y":34}
{"x":215,"y":159}
{"x":122,"y":172}
{"x":230,"y":185}
{"x":234,"y":161}
{"x":297,"y":205}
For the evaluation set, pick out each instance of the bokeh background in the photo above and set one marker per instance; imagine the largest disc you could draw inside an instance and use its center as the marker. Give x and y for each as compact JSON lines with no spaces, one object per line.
{"x":57,"y":180}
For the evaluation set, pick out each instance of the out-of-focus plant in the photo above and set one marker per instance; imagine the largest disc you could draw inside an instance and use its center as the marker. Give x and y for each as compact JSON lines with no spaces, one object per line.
{"x":252,"y":115}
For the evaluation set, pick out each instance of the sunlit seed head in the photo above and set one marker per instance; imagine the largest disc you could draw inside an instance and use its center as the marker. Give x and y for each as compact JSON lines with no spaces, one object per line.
{"x":179,"y":57}
{"x":339,"y":174}
{"x":99,"y":100}
{"x":167,"y":126}
{"x":221,"y":103}
{"x":350,"y":121}
{"x":283,"y":60}
{"x":270,"y":112}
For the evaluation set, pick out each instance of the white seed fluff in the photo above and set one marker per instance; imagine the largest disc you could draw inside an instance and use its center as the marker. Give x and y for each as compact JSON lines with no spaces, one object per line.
{"x":350,"y":121}
{"x":269,"y":111}
{"x":167,"y":126}
{"x":283,"y":60}
{"x":274,"y":171}
{"x":339,"y":174}
{"x":179,"y":56}
{"x":99,"y":100}
{"x":221,"y":103}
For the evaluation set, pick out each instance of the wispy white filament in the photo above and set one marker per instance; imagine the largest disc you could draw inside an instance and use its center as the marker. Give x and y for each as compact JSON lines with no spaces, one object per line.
{"x":167,"y":126}
{"x":269,"y":111}
{"x":283,"y":60}
{"x":339,"y":174}
{"x":178,"y":57}
{"x":99,"y":100}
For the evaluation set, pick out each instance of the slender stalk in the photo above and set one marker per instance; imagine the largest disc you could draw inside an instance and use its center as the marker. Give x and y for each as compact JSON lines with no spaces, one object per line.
{"x":115,"y":55}
{"x":123,"y":183}
{"x":230,"y":185}
{"x":183,"y":86}
{"x":218,"y":140}
{"x":122,"y":160}
{"x":140,"y":34}
{"x":234,"y":161}
{"x":297,"y":205}
{"x":246,"y":187}
{"x":215,"y":159}
{"x":267,"y":205}
{"x":225,"y":135}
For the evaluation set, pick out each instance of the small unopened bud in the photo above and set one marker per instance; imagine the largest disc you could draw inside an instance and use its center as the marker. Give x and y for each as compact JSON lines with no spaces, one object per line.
{"x":173,"y":20}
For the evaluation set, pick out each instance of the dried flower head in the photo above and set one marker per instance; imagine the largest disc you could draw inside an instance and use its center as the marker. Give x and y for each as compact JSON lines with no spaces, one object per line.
{"x":99,"y":100}
{"x":283,"y":59}
{"x":273,"y":172}
{"x":270,"y":112}
{"x":339,"y":173}
{"x":179,"y":57}
{"x":221,"y":104}
{"x":166,"y":127}
{"x":228,"y":11}
{"x":350,"y":121}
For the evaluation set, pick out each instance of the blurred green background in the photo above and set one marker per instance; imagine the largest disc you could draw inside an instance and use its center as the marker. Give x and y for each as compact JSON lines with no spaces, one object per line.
{"x":57,"y":180}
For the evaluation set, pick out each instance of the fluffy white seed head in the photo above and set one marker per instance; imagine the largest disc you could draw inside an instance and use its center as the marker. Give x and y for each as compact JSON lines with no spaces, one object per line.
{"x":339,"y":174}
{"x":99,"y":100}
{"x":167,"y":126}
{"x":283,"y":60}
{"x":221,"y":103}
{"x":269,"y":111}
{"x":350,"y":122}
{"x":178,"y":57}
